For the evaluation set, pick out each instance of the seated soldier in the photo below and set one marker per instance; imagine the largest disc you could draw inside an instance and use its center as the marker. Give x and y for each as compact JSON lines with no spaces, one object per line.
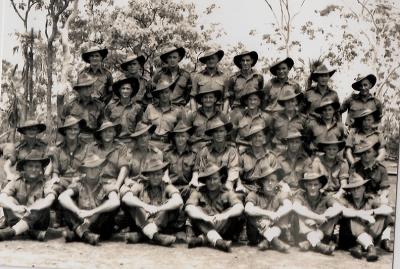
{"x":367,"y":218}
{"x":152,"y":203}
{"x":28,"y":211}
{"x":318,"y":213}
{"x":90,"y":203}
{"x":213,"y":209}
{"x":266,"y":207}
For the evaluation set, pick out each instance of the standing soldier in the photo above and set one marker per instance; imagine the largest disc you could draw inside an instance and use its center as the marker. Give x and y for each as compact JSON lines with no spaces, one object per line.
{"x":28,"y":210}
{"x":103,"y":80}
{"x":280,"y":70}
{"x":361,"y":100}
{"x":180,"y":90}
{"x":86,"y":107}
{"x":213,"y":209}
{"x":211,"y":74}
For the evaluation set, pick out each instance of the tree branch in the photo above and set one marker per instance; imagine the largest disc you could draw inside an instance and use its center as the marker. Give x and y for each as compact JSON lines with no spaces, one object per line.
{"x":364,"y":6}
{"x":16,"y":11}
{"x":386,"y":81}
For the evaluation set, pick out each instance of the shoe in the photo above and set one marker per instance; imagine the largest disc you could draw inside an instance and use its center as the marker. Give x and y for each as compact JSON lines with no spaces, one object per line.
{"x":37,"y":235}
{"x":263,"y":245}
{"x":133,"y":237}
{"x":91,"y":238}
{"x":69,"y":236}
{"x":387,"y":245}
{"x":304,"y":245}
{"x":371,"y":254}
{"x":325,"y":249}
{"x":164,"y":239}
{"x":194,"y":242}
{"x":279,"y":245}
{"x":357,"y":252}
{"x":7,"y":233}
{"x":223,"y":245}
{"x":287,"y":236}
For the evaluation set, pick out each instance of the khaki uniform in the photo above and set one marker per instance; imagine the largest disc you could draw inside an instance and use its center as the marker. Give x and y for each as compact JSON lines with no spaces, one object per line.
{"x":357,"y":102}
{"x":102,"y":85}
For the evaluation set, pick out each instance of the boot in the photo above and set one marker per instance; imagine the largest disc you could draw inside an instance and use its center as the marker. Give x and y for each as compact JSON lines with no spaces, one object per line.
{"x":325,"y":249}
{"x":91,"y":238}
{"x":69,"y":236}
{"x":371,"y":256}
{"x":357,"y":251}
{"x":7,"y":233}
{"x":304,"y":245}
{"x":287,"y":236}
{"x":164,"y":239}
{"x":279,"y":245}
{"x":223,"y":245}
{"x":195,"y":242}
{"x":37,"y":235}
{"x":133,"y":237}
{"x":387,"y":245}
{"x":263,"y":245}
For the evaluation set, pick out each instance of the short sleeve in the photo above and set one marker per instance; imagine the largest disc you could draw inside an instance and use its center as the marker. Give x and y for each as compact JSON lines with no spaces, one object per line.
{"x":11,"y":188}
{"x":123,"y":157}
{"x":50,"y":188}
{"x":171,"y":190}
{"x":194,"y":198}
{"x":233,"y":198}
{"x":252,"y":198}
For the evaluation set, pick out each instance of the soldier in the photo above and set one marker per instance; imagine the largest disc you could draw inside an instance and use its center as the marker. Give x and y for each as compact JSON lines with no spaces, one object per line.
{"x":86,"y":107}
{"x":28,"y":211}
{"x":365,"y":128}
{"x":210,"y":75}
{"x":361,"y":100}
{"x":152,"y":203}
{"x":213,"y":209}
{"x":280,"y":70}
{"x":318,"y":213}
{"x":180,"y":90}
{"x":265,"y":208}
{"x":103,"y":80}
{"x":123,"y":109}
{"x":314,"y":95}
{"x":366,"y":218}
{"x":90,"y":203}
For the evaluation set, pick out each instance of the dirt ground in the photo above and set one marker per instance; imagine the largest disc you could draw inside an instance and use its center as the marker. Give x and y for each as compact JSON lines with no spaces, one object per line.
{"x":56,"y":254}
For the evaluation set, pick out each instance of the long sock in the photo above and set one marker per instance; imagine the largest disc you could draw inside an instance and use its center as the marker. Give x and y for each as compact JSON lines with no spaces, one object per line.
{"x":20,"y":227}
{"x":365,"y":240}
{"x":213,"y":236}
{"x":386,"y":233}
{"x":272,"y":232}
{"x":150,"y":229}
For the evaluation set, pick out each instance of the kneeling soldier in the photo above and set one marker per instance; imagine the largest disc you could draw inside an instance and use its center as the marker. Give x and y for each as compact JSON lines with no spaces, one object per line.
{"x":318,"y":212}
{"x":212,"y":209}
{"x":152,"y":203}
{"x":266,"y":207}
{"x":368,"y":218}
{"x":90,"y":203}
{"x":26,"y":200}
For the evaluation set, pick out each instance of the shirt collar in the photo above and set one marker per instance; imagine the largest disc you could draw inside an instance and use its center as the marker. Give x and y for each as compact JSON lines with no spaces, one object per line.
{"x":99,"y":70}
{"x":205,"y":72}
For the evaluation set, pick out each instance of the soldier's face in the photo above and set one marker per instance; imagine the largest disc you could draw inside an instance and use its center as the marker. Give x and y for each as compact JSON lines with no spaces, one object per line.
{"x":331,"y":151}
{"x":312,"y":187}
{"x":258,"y":139}
{"x":246,"y":62}
{"x":368,"y":122}
{"x":323,"y":79}
{"x":212,"y":61}
{"x":358,"y":192}
{"x":143,"y":139}
{"x":32,"y":170}
{"x":95,"y":58}
{"x":107,"y":135}
{"x":294,"y":145}
{"x":181,"y":139}
{"x":208,"y":100}
{"x":290,"y":104}
{"x":214,"y":182}
{"x":126,"y":90}
{"x":253,"y":101}
{"x":133,"y":67}
{"x":219,"y":134}
{"x":269,"y":183}
{"x":173,"y":59}
{"x":328,"y":112}
{"x":72,"y":132}
{"x":155,"y":178}
{"x":31,"y":133}
{"x":164,"y":95}
{"x":282,"y":71}
{"x":368,"y":155}
{"x":365,"y":86}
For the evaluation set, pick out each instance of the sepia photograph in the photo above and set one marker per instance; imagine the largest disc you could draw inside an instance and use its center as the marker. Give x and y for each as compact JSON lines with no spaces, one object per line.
{"x":199,"y":134}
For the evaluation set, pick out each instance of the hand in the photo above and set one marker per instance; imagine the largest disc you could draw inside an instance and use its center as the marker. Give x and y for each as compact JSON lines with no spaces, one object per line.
{"x":310,"y":222}
{"x":274,"y":216}
{"x":83,"y":214}
{"x":20,"y":209}
{"x":151,"y":209}
{"x":367,"y":217}
{"x":219,"y":218}
{"x":240,"y":188}
{"x":209,"y":219}
{"x":322,"y":219}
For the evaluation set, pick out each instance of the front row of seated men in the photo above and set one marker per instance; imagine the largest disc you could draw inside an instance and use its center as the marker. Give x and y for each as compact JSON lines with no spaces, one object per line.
{"x":214,"y":214}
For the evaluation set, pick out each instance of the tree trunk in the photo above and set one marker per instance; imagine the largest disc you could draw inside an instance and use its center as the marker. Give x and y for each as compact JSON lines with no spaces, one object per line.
{"x":31,"y":110}
{"x":50,"y":60}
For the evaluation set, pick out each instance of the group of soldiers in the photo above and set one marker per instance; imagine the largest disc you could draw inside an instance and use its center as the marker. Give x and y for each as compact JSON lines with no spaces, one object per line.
{"x":220,"y":158}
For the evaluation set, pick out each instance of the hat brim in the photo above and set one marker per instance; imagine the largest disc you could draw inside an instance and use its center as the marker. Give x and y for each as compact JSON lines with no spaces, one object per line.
{"x":77,"y":87}
{"x":81,"y":122}
{"x":335,"y":106}
{"x":86,"y":55}
{"x":286,"y":139}
{"x":134,"y":82}
{"x":220,"y":54}
{"x":289,"y":61}
{"x":322,"y":144}
{"x":371,"y":78}
{"x":92,"y":164}
{"x":41,"y":128}
{"x":181,"y":51}
{"x":279,"y":172}
{"x":223,"y":171}
{"x":141,"y":59}
{"x":116,"y":126}
{"x":237,"y":59}
{"x":322,"y":178}
{"x":287,"y":98}
{"x":21,"y":163}
{"x":375,"y":146}
{"x":355,"y":185}
{"x":218,"y":95}
{"x":244,"y":97}
{"x":314,"y":76}
{"x":155,"y":169}
{"x":248,"y":136}
{"x":150,"y":129}
{"x":228,"y":126}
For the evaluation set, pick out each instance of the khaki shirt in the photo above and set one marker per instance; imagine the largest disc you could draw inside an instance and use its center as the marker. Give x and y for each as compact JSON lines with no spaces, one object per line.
{"x":22,"y":149}
{"x":281,"y":124}
{"x":355,"y":137}
{"x":180,"y":165}
{"x":368,"y":202}
{"x":204,"y":77}
{"x":357,"y":102}
{"x":294,"y":168}
{"x":316,"y":130}
{"x":268,"y":202}
{"x":313,"y":98}
{"x":272,"y":92}
{"x":127,"y":115}
{"x":238,"y":82}
{"x":319,"y":206}
{"x":336,"y":173}
{"x":164,"y":120}
{"x":137,"y":159}
{"x":102,"y":87}
{"x":92,"y":112}
{"x":377,"y":175}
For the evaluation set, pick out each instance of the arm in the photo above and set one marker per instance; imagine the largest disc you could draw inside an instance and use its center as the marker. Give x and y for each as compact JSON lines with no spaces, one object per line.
{"x":133,"y":201}
{"x":43,"y":203}
{"x":110,"y":204}
{"x":285,"y":208}
{"x":7,"y":202}
{"x":195,"y":212}
{"x":173,"y":203}
{"x":234,"y":211}
{"x":383,"y":210}
{"x":66,"y":201}
{"x":381,"y":155}
{"x":333,"y":211}
{"x":255,"y":211}
{"x":123,"y":172}
{"x":349,"y":156}
{"x":305,"y":212}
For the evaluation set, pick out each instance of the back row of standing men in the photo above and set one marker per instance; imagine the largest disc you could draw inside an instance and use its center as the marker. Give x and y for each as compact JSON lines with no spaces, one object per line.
{"x":212,"y":142}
